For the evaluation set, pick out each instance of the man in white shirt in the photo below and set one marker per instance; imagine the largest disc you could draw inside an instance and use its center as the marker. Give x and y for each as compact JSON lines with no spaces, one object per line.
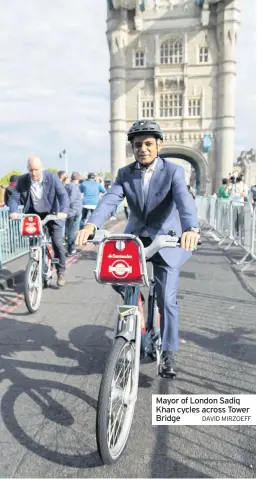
{"x":42,"y":193}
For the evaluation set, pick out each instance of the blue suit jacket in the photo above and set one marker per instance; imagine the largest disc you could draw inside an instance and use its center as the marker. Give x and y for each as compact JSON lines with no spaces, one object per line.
{"x":169,"y":205}
{"x":54,"y":194}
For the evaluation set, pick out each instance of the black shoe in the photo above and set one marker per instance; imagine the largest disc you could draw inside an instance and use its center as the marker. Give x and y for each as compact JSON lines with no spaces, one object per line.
{"x":168,"y":365}
{"x":71,"y":253}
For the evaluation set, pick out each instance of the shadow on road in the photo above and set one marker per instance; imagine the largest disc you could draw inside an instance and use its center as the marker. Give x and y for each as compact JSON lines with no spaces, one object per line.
{"x":52,"y":419}
{"x":239,"y":343}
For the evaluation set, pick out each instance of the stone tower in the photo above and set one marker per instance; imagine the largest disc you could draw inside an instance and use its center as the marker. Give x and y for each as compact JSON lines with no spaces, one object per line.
{"x":175,"y":61}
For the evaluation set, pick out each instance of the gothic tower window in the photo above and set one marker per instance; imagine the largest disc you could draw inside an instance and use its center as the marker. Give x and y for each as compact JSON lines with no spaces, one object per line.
{"x":171,"y":105}
{"x":139,"y":59}
{"x":147,"y":109}
{"x":171,"y":51}
{"x":194,"y":107}
{"x":203,"y":54}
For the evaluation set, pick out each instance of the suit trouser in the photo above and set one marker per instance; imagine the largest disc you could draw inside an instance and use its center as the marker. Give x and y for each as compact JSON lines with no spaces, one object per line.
{"x":56,"y":234}
{"x":166,"y":281}
{"x":72,"y":226}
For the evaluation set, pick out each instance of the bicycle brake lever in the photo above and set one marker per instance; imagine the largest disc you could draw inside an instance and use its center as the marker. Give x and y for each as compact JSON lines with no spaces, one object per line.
{"x":91,"y":237}
{"x":98,"y":236}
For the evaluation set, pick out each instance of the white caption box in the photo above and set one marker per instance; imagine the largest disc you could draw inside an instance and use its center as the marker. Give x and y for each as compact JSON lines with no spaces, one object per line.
{"x":203,"y":409}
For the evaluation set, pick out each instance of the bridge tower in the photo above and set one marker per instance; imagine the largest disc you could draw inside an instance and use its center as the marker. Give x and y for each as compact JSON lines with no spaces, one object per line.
{"x":175,"y":61}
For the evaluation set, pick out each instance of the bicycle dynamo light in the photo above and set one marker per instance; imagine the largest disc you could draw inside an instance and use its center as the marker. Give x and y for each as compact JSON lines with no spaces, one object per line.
{"x":120,"y":245}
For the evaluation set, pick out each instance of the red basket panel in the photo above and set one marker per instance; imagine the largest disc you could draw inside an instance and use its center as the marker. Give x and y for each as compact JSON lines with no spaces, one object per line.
{"x":120,"y":266}
{"x":30,"y":226}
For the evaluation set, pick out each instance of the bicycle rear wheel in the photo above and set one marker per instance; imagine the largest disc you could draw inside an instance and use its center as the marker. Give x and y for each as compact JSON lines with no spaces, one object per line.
{"x":114,"y":412}
{"x":32,"y":286}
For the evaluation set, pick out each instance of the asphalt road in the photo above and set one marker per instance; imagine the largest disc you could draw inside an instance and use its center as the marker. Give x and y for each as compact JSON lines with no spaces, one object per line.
{"x":51,"y":365}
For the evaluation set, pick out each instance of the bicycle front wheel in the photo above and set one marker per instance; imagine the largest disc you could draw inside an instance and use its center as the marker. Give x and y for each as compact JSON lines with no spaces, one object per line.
{"x":114,"y":411}
{"x":47,"y":265}
{"x":32,"y":286}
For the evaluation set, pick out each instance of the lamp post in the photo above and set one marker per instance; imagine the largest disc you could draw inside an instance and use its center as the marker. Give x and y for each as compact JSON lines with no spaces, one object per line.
{"x":64,"y":154}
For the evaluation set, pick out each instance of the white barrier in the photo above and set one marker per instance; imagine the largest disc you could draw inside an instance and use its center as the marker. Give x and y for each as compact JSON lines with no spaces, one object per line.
{"x":234,"y":222}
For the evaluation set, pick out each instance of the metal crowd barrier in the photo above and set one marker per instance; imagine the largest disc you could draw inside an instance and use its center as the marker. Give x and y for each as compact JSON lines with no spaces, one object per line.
{"x":234,"y":222}
{"x":12,"y":244}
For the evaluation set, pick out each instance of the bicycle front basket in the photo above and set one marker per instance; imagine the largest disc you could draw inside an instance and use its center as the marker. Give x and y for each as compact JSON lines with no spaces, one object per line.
{"x":121,"y":260}
{"x":30,"y":225}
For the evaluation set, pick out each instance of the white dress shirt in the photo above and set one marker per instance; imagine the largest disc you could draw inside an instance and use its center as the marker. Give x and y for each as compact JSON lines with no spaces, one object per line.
{"x":36,"y":191}
{"x":147,"y":174}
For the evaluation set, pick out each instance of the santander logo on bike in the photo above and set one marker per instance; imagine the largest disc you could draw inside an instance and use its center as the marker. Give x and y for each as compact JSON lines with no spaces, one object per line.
{"x":30,"y":225}
{"x":120,"y":262}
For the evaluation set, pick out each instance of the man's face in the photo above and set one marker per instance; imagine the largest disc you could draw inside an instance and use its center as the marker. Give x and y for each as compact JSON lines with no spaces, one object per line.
{"x":146,"y":149}
{"x":35,"y":170}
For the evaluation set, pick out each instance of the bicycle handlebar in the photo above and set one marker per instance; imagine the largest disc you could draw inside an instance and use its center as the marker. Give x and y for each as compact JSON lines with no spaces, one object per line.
{"x":48,"y":218}
{"x":161,"y":241}
{"x":43,"y":222}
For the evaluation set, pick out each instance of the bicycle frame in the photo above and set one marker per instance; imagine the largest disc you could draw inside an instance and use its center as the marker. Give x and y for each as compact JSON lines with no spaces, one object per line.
{"x":38,"y":252}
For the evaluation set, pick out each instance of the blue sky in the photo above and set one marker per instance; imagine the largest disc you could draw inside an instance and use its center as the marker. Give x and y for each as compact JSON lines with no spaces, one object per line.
{"x":54,"y":88}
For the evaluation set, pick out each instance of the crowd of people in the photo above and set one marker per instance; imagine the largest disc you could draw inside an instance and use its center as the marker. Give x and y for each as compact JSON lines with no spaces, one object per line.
{"x":235,"y":189}
{"x":84,"y":195}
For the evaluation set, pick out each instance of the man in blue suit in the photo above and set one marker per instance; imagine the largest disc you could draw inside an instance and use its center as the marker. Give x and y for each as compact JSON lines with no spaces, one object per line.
{"x":42,"y":193}
{"x":159,"y":201}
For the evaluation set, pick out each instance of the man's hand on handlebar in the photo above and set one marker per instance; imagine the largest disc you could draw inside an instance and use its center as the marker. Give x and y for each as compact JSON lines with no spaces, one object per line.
{"x":61,"y":216}
{"x":84,"y":234}
{"x":14,"y":216}
{"x":189,"y":240}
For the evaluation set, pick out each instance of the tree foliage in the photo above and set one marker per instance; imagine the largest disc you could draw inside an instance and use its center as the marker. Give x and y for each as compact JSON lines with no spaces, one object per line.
{"x":5,"y":180}
{"x":53,"y":170}
{"x":106,"y":175}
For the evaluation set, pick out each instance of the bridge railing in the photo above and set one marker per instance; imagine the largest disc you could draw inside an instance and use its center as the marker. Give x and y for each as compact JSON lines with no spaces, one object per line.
{"x":12,"y":244}
{"x":233,"y":223}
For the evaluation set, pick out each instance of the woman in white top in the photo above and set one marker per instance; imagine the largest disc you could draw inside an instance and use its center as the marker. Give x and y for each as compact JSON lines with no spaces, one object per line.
{"x":238,"y":190}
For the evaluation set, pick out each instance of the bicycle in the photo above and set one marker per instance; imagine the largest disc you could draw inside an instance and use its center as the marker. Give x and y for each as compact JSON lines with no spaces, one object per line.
{"x":38,"y":272}
{"x":122,"y":261}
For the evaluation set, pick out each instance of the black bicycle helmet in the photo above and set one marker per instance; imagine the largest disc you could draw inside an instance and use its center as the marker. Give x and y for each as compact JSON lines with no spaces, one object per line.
{"x":144,"y":127}
{"x":91,"y":176}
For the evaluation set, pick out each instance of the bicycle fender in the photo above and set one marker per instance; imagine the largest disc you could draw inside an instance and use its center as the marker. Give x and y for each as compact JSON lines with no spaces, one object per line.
{"x":125,"y":335}
{"x":35,"y":253}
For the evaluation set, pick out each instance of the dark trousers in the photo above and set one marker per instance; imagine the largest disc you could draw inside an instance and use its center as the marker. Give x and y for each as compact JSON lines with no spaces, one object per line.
{"x":126,"y":212}
{"x":55,"y":231}
{"x":72,"y":226}
{"x":166,"y":283}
